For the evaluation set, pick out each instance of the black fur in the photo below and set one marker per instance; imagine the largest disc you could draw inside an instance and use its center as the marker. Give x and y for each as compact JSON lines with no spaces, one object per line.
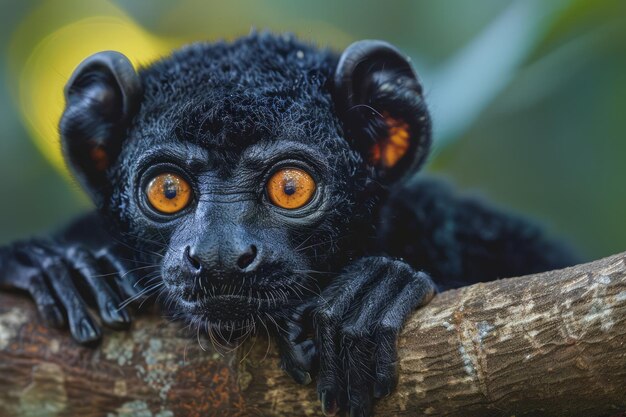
{"x":347,"y":268}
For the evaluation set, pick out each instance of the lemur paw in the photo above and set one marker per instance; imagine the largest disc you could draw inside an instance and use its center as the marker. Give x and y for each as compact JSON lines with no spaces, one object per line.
{"x":356,"y":322}
{"x":64,"y":280}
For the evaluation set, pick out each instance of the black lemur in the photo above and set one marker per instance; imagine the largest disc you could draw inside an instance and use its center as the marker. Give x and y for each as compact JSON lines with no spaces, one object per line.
{"x":265,"y":181}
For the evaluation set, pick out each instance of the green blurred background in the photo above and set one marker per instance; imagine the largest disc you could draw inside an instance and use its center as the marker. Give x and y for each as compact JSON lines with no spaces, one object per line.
{"x":528,"y":97}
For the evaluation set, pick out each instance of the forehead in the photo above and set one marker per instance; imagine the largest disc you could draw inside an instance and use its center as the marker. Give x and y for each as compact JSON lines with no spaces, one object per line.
{"x":227,"y":96}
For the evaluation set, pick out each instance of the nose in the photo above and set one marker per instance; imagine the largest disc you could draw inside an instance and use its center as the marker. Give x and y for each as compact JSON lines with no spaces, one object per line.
{"x":242,"y":258}
{"x":247,"y":257}
{"x":192,"y":260}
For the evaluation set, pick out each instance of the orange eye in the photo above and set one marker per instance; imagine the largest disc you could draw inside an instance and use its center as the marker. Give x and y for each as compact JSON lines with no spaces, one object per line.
{"x":168,"y":193}
{"x":290,"y":188}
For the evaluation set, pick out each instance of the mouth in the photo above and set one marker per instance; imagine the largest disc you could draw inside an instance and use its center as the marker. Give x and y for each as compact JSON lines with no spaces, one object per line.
{"x":224,"y":297}
{"x":204,"y":302}
{"x":215,"y":306}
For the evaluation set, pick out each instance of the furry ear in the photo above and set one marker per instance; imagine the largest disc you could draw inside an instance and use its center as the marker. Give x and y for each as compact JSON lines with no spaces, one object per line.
{"x":101,"y":97}
{"x":379,"y":101}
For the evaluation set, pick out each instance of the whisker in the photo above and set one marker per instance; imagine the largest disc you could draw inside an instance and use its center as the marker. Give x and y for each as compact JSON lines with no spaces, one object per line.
{"x":140,"y":294}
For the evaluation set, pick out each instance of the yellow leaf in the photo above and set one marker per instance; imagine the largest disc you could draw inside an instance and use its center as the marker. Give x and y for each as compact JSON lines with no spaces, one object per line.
{"x":56,"y":36}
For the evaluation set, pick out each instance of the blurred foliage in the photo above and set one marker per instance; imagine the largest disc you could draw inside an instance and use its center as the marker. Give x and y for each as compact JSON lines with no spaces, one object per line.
{"x":54,"y":53}
{"x":527,"y":96}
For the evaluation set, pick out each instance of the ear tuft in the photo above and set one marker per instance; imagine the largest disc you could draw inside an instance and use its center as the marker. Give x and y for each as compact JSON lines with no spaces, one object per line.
{"x":389,"y":149}
{"x":100,"y":158}
{"x":101,"y":97}
{"x":379,"y":100}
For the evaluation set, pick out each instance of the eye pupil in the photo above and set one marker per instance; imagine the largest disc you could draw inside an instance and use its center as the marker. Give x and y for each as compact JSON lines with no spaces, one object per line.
{"x":170,"y":191}
{"x":290,"y":187}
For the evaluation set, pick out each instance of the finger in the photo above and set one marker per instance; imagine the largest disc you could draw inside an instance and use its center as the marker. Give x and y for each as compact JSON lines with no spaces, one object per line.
{"x":416,"y":293}
{"x":82,"y":326}
{"x":24,"y":276}
{"x":48,"y":307}
{"x":105,"y":298}
{"x":296,"y":345}
{"x":357,"y":356}
{"x":330,"y":379}
{"x":386,"y":363}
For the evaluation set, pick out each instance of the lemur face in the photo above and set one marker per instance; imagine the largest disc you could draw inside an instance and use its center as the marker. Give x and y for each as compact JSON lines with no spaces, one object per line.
{"x":245,"y":237}
{"x":247,"y":170}
{"x":246,"y":229}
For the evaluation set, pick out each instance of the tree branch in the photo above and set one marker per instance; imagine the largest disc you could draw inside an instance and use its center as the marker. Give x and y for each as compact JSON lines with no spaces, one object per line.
{"x":551,"y":343}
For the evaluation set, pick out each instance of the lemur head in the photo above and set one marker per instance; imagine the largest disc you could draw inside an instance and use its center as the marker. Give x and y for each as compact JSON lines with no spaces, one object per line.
{"x":245,"y":169}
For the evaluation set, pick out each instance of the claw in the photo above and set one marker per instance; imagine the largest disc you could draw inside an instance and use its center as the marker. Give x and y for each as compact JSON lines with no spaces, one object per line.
{"x":118,"y":318}
{"x":329,"y":403}
{"x":300,"y":376}
{"x":86,"y":332}
{"x":381,"y":390}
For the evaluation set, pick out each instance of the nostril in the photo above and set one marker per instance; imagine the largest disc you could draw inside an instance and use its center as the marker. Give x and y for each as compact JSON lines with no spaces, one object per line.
{"x":193,"y":261}
{"x":246,"y":259}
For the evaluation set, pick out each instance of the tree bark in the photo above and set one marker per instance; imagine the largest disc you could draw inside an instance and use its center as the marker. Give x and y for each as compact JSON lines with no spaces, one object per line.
{"x":545,"y":344}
